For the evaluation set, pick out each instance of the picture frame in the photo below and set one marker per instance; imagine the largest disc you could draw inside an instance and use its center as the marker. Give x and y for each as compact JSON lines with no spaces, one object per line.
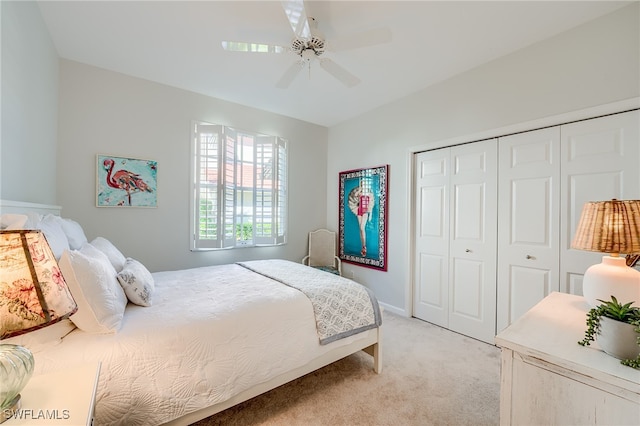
{"x":362,"y":224}
{"x":126,"y":182}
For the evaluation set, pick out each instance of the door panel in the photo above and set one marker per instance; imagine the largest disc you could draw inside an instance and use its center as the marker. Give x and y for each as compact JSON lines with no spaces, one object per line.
{"x":431,"y":257}
{"x":599,"y":162}
{"x":431,"y":208}
{"x":529,"y":216}
{"x":472,"y":304}
{"x":468,"y":197}
{"x":433,"y":267}
{"x":528,"y":286}
{"x":467,"y":289}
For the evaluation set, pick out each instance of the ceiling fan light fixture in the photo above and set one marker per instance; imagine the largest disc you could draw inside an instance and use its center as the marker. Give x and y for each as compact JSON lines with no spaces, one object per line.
{"x":309,"y":43}
{"x":308,"y":54}
{"x":317,"y":44}
{"x":298,"y":45}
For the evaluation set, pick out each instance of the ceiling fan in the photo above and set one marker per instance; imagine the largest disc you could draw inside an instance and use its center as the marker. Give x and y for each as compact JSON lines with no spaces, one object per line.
{"x":310,"y":44}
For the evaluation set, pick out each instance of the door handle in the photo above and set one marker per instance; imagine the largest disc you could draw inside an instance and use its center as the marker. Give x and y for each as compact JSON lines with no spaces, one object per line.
{"x":468,"y":251}
{"x":530,"y":257}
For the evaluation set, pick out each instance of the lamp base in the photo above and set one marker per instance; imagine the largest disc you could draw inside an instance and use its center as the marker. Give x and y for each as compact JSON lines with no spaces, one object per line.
{"x":11,"y":409}
{"x":612,"y":277}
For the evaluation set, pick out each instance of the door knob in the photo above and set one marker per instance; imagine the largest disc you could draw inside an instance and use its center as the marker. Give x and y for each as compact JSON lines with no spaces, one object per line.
{"x":530,"y":257}
{"x":468,"y":250}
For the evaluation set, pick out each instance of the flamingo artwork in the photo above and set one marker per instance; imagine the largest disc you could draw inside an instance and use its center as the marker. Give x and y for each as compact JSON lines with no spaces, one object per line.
{"x":125,"y":180}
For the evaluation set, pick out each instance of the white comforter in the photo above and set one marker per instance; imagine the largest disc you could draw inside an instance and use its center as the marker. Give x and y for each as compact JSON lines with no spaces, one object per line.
{"x":211,"y":333}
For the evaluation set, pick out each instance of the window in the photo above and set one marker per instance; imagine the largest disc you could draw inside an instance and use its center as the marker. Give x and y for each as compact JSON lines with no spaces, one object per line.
{"x":238,"y":46}
{"x":239,"y":196}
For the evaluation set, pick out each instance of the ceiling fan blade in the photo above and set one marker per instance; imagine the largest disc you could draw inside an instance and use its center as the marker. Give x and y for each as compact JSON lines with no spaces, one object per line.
{"x":363,"y":39}
{"x":290,"y":74}
{"x":294,"y":9}
{"x":338,"y":72}
{"x":242,"y":46}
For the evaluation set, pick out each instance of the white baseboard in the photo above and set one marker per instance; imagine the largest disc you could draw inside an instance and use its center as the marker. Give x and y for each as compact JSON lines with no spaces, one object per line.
{"x":394,"y":309}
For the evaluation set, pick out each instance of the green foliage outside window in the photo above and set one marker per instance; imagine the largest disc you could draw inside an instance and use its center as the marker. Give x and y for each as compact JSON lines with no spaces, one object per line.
{"x":244,"y":232}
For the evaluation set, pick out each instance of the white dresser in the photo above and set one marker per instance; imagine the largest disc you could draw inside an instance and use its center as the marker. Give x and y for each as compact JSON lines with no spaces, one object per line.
{"x":548,"y":379}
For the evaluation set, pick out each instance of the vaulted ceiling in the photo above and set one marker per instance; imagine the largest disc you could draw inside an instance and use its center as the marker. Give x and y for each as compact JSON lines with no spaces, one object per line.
{"x":179,"y":43}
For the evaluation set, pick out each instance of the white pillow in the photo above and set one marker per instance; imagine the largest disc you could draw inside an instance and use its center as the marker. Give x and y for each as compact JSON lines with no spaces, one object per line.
{"x":73,"y":231}
{"x":93,"y":284}
{"x":11,"y":221}
{"x":33,"y":219}
{"x":137,"y":282}
{"x":52,"y":230}
{"x":116,"y":257}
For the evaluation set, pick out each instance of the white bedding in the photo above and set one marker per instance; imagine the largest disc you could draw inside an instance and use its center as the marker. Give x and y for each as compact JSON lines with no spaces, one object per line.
{"x":341,"y":307}
{"x":210,"y":334}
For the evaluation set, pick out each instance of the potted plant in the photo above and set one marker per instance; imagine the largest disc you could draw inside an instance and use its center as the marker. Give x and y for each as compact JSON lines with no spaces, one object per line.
{"x":618,"y":329}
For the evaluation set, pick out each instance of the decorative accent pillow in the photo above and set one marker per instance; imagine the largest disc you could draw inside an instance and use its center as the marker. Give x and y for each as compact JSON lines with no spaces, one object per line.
{"x":115,"y":256}
{"x":137,"y":282}
{"x":52,"y":230}
{"x":74,"y":232}
{"x":93,"y":284}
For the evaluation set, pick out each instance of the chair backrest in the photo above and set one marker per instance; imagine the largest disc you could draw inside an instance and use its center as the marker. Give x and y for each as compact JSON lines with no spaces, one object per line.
{"x":322,"y":248}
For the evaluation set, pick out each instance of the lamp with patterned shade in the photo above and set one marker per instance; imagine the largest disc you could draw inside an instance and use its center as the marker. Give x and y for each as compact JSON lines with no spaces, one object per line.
{"x":611,"y":227}
{"x":33,"y":295}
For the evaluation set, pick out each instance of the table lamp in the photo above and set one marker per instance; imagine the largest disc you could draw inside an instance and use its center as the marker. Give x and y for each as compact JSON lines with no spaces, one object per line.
{"x":33,"y":295}
{"x":611,"y":227}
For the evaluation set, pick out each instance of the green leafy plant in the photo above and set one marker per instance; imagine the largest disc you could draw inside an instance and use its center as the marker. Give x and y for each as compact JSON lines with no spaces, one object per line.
{"x":616,"y":311}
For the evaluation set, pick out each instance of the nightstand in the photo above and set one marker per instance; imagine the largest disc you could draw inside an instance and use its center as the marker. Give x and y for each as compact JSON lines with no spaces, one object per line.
{"x":64,"y":397}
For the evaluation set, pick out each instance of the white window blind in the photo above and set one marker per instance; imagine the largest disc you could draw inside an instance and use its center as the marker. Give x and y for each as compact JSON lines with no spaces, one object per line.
{"x":239,"y":196}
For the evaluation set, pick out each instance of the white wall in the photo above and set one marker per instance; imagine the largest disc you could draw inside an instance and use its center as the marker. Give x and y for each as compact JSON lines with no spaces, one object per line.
{"x":29,"y":106}
{"x":102,"y":112}
{"x":596,"y":63}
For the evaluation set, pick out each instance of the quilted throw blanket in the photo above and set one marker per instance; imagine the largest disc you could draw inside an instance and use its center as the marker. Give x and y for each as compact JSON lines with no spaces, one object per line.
{"x":342,"y":307}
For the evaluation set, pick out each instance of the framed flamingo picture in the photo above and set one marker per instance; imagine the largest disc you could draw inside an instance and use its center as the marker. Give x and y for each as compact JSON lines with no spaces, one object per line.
{"x":126,"y":182}
{"x":362,"y":222}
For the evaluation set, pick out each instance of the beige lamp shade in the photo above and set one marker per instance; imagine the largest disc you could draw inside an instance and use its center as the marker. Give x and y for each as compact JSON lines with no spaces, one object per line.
{"x":33,"y":292}
{"x":609,"y":227}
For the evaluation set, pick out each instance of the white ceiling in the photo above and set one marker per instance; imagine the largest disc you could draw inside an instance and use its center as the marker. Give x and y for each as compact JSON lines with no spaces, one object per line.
{"x":178,"y":43}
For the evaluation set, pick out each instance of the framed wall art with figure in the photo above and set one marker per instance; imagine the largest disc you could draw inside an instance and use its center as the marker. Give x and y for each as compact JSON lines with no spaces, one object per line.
{"x":362,"y":226}
{"x":126,"y":182}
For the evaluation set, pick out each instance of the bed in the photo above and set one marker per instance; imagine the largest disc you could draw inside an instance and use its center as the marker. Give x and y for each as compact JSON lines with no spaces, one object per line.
{"x":210,"y":338}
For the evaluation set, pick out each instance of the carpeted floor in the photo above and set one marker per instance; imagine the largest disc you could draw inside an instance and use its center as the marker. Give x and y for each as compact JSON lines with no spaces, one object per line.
{"x":430,"y":376}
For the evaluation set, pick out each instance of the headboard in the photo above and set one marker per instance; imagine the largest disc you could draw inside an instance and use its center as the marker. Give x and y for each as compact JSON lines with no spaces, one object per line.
{"x":22,"y":207}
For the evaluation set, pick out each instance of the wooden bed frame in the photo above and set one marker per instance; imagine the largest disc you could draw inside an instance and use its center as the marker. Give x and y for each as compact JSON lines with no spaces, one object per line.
{"x":368,"y":341}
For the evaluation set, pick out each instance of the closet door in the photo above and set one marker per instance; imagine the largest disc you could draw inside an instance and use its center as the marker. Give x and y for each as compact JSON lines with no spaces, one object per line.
{"x":472,"y":268}
{"x":528,"y":218}
{"x":600,"y":160}
{"x":431,"y":253}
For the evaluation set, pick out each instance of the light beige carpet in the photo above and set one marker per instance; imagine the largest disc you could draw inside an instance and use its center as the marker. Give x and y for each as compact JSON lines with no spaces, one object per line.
{"x":430,"y":376}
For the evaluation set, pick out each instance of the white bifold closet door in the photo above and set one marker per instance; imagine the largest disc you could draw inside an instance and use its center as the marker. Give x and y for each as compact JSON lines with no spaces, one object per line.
{"x":528,"y":221}
{"x":456,"y":237}
{"x":600,"y":161}
{"x":466,"y":223}
{"x":546,"y":176}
